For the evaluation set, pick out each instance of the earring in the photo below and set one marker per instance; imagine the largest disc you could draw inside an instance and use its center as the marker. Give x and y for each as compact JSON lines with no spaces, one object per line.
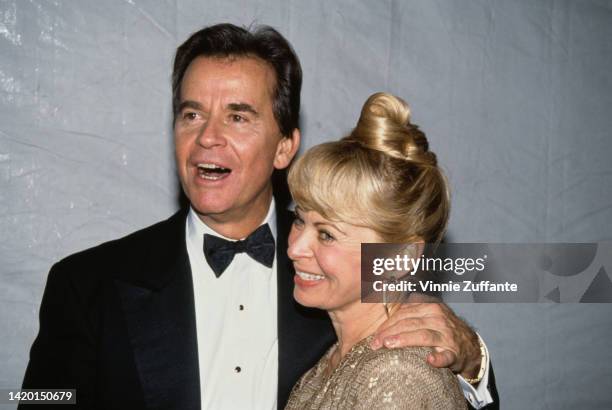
{"x":391,"y":279}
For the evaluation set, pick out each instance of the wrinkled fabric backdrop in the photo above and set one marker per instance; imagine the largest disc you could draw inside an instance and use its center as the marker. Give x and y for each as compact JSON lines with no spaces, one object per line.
{"x":515,"y":96}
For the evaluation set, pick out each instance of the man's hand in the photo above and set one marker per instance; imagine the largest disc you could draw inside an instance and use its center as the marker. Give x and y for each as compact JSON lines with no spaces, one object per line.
{"x":434,"y":325}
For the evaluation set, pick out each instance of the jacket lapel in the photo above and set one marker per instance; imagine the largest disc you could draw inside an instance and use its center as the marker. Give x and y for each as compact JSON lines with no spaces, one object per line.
{"x":158,"y":305}
{"x":303,"y":334}
{"x":157,"y":301}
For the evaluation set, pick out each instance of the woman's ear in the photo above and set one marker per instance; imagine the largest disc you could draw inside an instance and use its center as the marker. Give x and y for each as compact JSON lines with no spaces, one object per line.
{"x":413,"y":250}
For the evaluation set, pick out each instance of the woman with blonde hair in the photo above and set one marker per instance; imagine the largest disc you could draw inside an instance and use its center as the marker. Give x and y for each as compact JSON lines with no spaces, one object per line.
{"x":378,"y":184}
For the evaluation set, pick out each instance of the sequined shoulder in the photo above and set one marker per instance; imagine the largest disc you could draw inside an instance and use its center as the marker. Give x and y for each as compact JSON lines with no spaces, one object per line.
{"x":401,"y":379}
{"x":381,"y":379}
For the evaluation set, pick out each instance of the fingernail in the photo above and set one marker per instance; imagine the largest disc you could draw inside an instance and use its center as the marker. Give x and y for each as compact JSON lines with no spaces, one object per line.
{"x":391,"y":342}
{"x":375,"y":344}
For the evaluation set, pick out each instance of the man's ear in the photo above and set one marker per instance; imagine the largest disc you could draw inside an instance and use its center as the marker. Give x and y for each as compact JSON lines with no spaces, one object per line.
{"x":286,"y":149}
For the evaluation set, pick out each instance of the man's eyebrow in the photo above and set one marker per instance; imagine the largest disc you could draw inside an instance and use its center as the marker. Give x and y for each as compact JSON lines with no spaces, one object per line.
{"x":189,"y":104}
{"x":242,"y":107}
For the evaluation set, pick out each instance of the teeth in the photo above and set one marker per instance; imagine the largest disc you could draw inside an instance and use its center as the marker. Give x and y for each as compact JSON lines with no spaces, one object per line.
{"x":212,"y":172}
{"x":212,"y":177}
{"x":309,"y":276}
{"x":209,"y":166}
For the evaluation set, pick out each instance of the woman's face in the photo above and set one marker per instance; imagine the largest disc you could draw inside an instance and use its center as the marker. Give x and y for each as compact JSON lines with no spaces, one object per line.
{"x":327,"y":260}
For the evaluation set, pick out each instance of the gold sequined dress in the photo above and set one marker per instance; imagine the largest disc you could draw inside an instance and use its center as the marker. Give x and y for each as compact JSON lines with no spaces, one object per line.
{"x":381,"y":379}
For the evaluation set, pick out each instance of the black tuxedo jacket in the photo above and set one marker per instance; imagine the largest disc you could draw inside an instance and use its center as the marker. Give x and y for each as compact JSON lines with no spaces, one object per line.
{"x":117,"y":322}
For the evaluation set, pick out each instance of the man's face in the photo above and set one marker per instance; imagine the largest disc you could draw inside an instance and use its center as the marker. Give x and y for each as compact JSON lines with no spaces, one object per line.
{"x":226,"y":138}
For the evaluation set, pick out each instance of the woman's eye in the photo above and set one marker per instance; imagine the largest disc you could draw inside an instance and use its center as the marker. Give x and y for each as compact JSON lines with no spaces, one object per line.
{"x":298,"y":222}
{"x":326,"y":236}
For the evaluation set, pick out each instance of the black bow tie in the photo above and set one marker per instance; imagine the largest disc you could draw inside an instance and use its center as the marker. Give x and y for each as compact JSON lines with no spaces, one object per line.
{"x":259,"y":245}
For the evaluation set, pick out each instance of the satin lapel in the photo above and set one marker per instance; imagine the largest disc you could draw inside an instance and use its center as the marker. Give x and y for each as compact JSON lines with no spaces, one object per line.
{"x":159,"y":310}
{"x":303,"y":334}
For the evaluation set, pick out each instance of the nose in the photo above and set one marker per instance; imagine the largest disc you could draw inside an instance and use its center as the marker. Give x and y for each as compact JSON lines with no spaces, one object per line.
{"x":211,"y":134}
{"x":300,"y":245}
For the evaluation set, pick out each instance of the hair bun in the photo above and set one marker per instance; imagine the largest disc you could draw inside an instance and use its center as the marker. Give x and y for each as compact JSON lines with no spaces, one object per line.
{"x":384,"y":125}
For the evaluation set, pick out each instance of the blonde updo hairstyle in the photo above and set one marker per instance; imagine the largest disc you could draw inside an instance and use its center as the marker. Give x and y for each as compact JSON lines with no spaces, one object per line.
{"x":381,"y":176}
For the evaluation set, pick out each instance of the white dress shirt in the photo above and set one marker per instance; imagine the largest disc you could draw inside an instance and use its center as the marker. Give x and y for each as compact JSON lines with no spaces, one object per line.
{"x":236,"y":325}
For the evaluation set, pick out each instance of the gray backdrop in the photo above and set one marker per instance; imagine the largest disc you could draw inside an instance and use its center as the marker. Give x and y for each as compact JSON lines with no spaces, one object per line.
{"x":515,"y":96}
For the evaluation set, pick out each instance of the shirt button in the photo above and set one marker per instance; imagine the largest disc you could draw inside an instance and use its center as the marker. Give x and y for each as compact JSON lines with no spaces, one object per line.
{"x":241,"y":307}
{"x":237,"y":369}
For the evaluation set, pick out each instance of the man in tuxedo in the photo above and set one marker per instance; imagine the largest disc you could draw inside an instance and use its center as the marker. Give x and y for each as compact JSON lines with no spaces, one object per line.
{"x":197,"y":311}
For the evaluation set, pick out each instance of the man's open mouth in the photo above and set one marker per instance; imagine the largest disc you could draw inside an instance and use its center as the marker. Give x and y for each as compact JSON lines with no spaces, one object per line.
{"x":212,"y":171}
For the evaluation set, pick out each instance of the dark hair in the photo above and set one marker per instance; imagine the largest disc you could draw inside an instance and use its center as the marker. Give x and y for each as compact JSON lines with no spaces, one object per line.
{"x":228,"y":40}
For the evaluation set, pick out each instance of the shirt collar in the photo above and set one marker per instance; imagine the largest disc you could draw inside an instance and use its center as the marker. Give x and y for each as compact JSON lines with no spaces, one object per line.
{"x":196,"y":228}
